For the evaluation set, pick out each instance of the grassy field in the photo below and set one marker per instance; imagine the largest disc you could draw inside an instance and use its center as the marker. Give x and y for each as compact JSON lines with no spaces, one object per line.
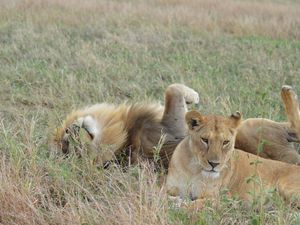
{"x":59,"y":55}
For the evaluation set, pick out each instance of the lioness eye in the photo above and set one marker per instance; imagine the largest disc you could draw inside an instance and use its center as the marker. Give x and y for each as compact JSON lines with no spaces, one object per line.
{"x":225,"y":142}
{"x":205,"y":140}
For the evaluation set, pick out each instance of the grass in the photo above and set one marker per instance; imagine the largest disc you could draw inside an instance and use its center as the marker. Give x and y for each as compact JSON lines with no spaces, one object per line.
{"x":56,"y":56}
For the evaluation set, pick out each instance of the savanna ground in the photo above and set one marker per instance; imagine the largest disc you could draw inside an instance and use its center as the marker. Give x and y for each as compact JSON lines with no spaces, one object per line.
{"x":59,"y":55}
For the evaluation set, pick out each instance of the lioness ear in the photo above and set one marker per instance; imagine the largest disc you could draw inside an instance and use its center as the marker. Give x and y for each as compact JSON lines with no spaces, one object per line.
{"x":193,"y":119}
{"x":236,"y":118}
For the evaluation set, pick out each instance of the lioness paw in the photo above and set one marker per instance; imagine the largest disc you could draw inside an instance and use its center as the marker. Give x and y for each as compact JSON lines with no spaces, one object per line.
{"x":287,"y":93}
{"x":286,"y":87}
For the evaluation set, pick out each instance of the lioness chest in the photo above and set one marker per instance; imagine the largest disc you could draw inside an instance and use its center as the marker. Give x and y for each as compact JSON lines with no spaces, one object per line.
{"x":193,"y":186}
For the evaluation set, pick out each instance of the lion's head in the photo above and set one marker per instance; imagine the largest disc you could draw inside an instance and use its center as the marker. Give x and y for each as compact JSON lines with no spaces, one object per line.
{"x":212,"y":140}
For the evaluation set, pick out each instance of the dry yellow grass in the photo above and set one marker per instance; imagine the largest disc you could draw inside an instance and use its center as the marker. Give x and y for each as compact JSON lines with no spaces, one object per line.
{"x":240,"y":18}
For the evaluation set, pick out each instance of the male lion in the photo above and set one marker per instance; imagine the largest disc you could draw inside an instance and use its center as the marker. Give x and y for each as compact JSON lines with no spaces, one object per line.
{"x":131,"y":130}
{"x":206,"y":162}
{"x":135,"y":130}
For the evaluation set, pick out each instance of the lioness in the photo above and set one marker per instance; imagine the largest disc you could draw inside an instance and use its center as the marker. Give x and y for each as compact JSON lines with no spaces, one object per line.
{"x":273,"y":138}
{"x":206,"y":161}
{"x":134,"y":130}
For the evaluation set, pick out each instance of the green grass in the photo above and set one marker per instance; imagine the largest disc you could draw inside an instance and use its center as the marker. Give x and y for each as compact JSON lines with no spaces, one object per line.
{"x":56,"y":56}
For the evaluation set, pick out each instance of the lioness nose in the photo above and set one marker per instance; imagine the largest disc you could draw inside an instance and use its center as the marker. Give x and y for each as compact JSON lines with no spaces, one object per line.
{"x":213,"y":164}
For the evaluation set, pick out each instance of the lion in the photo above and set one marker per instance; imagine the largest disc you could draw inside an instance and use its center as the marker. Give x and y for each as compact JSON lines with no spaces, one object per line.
{"x":207,"y":162}
{"x":135,"y":132}
{"x":131,"y":130}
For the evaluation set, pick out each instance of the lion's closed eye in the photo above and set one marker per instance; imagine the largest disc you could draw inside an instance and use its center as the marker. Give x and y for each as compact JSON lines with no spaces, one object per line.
{"x":226,"y":142}
{"x":204,"y":140}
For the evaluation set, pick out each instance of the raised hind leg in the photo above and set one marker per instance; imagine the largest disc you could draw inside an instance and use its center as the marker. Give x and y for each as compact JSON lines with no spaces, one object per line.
{"x":291,"y":105}
{"x":177,"y":96}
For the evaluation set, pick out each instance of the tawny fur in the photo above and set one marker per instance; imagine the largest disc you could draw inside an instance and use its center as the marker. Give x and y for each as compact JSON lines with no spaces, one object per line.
{"x":272,"y":140}
{"x":206,"y":162}
{"x":134,"y":130}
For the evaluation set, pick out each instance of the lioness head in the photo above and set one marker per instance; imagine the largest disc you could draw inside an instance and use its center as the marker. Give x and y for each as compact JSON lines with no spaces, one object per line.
{"x":212,"y":140}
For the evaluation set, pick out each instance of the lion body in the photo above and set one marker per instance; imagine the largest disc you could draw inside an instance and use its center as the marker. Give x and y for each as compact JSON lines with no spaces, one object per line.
{"x":132,"y":129}
{"x":268,"y":139}
{"x":272,"y":140}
